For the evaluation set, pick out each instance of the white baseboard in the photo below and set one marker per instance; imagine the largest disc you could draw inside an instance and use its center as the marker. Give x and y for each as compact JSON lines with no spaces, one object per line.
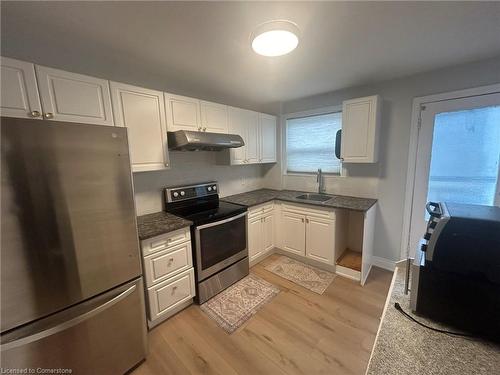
{"x":383,"y":263}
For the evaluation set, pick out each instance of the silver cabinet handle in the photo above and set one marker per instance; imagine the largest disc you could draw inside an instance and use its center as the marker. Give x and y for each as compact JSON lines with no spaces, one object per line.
{"x":302,"y":219}
{"x":35,"y":114}
{"x":204,"y":129}
{"x":48,"y":115}
{"x":199,"y":128}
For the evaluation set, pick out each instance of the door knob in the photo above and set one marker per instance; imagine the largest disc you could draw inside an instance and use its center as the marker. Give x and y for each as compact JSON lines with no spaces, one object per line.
{"x":48,"y":115}
{"x":35,"y":114}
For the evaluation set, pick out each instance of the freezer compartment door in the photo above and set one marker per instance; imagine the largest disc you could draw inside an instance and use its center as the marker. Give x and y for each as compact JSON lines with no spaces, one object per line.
{"x":67,"y":216}
{"x":105,"y":335}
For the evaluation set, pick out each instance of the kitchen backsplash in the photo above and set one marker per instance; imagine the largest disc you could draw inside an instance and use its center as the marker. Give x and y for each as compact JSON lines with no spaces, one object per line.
{"x":193,"y":167}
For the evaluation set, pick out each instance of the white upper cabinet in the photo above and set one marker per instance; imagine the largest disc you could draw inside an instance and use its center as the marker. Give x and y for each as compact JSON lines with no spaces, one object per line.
{"x":252,"y":140}
{"x":183,"y":113}
{"x":237,"y":125}
{"x":361,"y":119}
{"x":19,"y":91}
{"x":142,"y":112}
{"x":267,"y":128}
{"x":214,"y":117}
{"x":74,"y":97}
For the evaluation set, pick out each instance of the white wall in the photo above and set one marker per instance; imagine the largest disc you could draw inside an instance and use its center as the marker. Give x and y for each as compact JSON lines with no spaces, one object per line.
{"x":387,"y":180}
{"x":192,"y":167}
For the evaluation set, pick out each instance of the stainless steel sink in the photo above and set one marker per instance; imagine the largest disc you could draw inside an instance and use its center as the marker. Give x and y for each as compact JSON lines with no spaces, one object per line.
{"x":314,"y":197}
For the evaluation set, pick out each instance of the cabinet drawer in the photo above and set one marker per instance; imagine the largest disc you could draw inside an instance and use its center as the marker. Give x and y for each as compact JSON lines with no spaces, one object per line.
{"x":163,"y":264}
{"x":165,"y":241}
{"x":309,"y":211}
{"x":167,"y":295}
{"x":260,"y":209}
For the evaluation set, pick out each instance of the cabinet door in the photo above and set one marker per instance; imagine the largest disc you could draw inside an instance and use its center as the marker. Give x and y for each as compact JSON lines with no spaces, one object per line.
{"x":252,"y":140}
{"x":237,"y":125}
{"x":183,"y":113}
{"x":214,"y":117}
{"x":142,"y":112}
{"x":294,"y":233}
{"x":360,"y":127}
{"x":320,"y":239}
{"x":19,"y":91}
{"x":267,"y":138}
{"x":74,"y":97}
{"x":268,"y":232}
{"x":255,"y":238}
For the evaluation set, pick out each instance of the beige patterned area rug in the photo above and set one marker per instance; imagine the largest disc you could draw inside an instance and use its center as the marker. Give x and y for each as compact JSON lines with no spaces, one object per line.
{"x":309,"y":277}
{"x":235,"y":305}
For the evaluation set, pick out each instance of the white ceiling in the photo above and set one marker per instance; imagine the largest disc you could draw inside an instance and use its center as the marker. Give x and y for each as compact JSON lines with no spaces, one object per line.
{"x":203,"y":48}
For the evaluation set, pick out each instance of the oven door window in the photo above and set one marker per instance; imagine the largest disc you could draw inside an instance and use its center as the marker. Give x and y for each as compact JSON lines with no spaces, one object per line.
{"x":222,"y":241}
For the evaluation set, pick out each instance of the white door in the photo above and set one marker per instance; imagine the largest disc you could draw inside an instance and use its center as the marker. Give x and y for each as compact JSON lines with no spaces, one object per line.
{"x":142,"y":112}
{"x":183,"y":113}
{"x":255,"y":237}
{"x":320,"y":240}
{"x":457,"y":157}
{"x":74,"y":97}
{"x":252,"y":140}
{"x":19,"y":90}
{"x":268,"y":232}
{"x":237,"y":125}
{"x":294,"y":233}
{"x":267,"y":138}
{"x":360,"y":123}
{"x":214,"y":117}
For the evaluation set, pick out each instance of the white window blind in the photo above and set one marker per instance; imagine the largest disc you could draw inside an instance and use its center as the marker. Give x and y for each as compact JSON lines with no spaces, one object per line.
{"x":310,"y":143}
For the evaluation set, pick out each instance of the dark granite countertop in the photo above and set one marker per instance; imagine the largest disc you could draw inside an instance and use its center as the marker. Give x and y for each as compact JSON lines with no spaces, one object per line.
{"x":403,"y":347}
{"x":152,"y":225}
{"x":256,"y":197}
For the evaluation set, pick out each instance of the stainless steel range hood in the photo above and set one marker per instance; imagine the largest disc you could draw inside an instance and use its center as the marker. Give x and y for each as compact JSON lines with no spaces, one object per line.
{"x":185,"y":140}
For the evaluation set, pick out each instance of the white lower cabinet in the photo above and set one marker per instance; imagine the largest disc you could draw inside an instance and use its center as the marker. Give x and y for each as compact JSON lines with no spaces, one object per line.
{"x":260,"y":231}
{"x":169,"y":274}
{"x":309,"y":232}
{"x":294,"y":233}
{"x":320,"y":239}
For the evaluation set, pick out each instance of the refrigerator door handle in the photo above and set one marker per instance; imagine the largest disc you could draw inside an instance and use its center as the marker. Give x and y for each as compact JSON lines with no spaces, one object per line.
{"x":68,"y":323}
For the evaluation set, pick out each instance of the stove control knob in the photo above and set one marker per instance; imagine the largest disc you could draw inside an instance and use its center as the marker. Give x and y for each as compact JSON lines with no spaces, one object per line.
{"x":176,"y":194}
{"x":182,"y":193}
{"x":214,"y":187}
{"x":209,"y":188}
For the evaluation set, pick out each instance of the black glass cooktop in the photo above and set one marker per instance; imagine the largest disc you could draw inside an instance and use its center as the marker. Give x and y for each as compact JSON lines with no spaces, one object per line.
{"x":205,"y":211}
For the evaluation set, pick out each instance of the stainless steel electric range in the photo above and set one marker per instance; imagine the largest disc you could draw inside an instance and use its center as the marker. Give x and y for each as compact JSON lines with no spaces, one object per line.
{"x":218,"y":233}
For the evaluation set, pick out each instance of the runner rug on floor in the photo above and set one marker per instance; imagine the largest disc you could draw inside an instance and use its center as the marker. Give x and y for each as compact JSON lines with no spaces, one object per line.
{"x":235,"y":305}
{"x":309,"y":277}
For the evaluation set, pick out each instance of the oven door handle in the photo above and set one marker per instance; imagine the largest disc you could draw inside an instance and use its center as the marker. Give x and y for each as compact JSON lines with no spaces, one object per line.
{"x":221,"y":221}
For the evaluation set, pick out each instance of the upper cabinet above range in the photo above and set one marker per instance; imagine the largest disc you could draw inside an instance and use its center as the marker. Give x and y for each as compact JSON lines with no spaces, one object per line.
{"x":19,"y":90}
{"x":361,"y":120}
{"x":74,"y":97}
{"x":185,"y":113}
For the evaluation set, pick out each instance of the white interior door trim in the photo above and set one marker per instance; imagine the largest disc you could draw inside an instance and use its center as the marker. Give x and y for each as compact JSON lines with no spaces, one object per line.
{"x":413,"y":148}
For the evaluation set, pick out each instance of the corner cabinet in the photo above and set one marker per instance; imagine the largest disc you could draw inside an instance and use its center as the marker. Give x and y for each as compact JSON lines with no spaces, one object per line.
{"x":361,"y":120}
{"x":19,"y":90}
{"x":142,"y":112}
{"x":74,"y":97}
{"x":267,"y":138}
{"x":258,"y":131}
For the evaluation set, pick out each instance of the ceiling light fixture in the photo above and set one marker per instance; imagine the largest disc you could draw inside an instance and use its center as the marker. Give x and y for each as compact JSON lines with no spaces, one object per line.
{"x":275,"y":38}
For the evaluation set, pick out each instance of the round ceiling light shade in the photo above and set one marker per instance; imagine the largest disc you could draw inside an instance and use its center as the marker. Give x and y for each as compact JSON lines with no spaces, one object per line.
{"x":275,"y":38}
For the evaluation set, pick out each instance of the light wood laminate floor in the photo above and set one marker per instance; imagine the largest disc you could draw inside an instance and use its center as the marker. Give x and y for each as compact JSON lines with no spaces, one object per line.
{"x":298,"y":332}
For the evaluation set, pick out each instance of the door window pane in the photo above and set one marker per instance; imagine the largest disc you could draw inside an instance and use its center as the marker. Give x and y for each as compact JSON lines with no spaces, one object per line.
{"x":465,"y":156}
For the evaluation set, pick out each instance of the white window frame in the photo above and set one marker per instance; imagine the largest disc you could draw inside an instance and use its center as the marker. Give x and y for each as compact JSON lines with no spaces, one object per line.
{"x":313,"y":112}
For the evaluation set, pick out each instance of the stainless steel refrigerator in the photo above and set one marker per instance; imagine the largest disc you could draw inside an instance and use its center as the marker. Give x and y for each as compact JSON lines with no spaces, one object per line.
{"x":71,"y":285}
